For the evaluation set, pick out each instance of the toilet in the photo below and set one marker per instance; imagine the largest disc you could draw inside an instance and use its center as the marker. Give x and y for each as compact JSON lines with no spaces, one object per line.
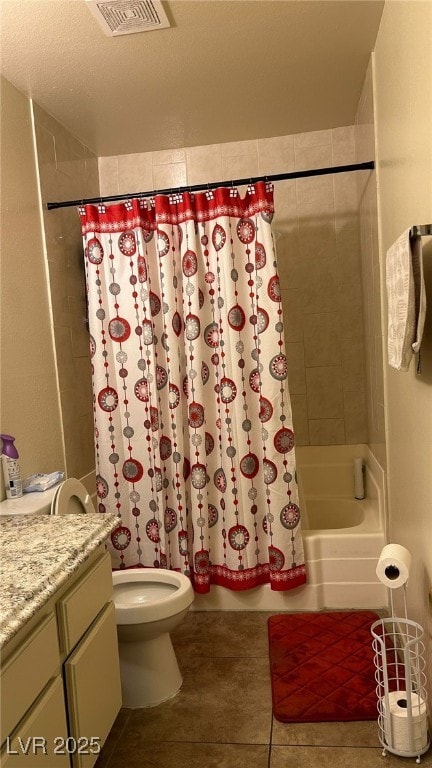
{"x":149,"y":603}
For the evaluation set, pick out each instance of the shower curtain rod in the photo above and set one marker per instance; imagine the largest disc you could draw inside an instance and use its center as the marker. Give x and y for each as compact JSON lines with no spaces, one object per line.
{"x":369,"y":166}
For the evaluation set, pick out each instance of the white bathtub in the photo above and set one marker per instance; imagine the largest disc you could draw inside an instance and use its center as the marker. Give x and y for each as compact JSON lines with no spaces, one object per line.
{"x":333,"y":513}
{"x":342,"y":539}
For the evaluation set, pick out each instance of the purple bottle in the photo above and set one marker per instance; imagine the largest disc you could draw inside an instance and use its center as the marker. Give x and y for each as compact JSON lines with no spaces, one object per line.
{"x":11,"y":468}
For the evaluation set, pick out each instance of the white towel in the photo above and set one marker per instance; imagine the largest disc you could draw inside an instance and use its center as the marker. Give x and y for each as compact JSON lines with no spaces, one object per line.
{"x":406,"y":297}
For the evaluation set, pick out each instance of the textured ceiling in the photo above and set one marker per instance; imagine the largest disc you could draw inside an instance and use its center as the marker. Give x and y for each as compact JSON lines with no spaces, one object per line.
{"x":224,"y":71}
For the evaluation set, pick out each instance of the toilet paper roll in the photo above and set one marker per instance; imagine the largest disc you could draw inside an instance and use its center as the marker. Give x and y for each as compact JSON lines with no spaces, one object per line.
{"x":402,"y":732}
{"x":393,"y":566}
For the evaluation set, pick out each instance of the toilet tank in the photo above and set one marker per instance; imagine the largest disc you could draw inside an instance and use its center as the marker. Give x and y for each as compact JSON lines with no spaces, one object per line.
{"x":36,"y":503}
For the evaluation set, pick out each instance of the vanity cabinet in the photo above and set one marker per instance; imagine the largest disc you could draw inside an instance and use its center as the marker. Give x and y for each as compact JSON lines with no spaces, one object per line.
{"x":60,"y":678}
{"x":34,"y":742}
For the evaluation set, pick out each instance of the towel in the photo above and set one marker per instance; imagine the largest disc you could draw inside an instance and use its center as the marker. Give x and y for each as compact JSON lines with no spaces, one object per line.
{"x":406,"y":297}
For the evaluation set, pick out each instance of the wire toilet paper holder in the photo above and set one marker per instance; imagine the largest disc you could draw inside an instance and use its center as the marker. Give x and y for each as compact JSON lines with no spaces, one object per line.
{"x":401,"y":684}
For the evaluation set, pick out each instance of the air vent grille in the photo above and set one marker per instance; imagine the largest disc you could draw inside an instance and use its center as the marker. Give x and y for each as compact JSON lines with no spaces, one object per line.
{"x":124,"y":17}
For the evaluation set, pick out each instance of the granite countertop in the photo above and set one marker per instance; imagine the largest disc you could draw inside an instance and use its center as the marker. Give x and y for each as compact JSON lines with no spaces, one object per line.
{"x":38,"y":554}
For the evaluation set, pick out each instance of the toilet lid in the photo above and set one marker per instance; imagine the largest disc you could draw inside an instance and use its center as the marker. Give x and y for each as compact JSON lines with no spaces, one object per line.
{"x":71,"y":498}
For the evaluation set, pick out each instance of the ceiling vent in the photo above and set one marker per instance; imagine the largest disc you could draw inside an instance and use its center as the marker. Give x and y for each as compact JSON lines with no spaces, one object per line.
{"x":124,"y":17}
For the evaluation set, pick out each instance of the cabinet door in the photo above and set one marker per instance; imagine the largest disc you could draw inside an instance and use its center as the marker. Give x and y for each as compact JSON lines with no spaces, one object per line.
{"x":26,"y":673}
{"x":93,"y":688}
{"x":82,"y":603}
{"x":40,"y":740}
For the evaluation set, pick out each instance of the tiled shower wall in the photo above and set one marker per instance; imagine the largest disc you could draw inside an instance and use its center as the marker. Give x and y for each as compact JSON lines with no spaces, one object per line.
{"x":318,"y":247}
{"x":68,"y":170}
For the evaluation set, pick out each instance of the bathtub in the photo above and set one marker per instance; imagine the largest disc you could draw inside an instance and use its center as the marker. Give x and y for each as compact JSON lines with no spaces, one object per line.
{"x":334,"y":513}
{"x":342,"y":539}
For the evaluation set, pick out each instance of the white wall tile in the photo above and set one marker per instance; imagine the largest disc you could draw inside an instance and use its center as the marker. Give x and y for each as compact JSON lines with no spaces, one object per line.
{"x":233,"y":148}
{"x":108,"y":175}
{"x":169,"y":175}
{"x":240,"y":166}
{"x":135,"y":173}
{"x":312,"y":138}
{"x":167,"y":156}
{"x":307,"y":158}
{"x":276,"y":155}
{"x":204,"y":164}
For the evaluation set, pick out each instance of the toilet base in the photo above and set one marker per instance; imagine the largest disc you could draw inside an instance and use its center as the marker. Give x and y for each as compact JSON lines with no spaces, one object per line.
{"x":149,"y":672}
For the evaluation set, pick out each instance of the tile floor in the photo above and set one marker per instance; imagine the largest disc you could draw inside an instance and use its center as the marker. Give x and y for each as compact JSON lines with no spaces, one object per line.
{"x":222,"y":717}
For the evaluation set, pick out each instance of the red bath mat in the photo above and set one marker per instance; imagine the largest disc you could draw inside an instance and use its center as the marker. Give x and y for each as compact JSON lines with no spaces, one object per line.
{"x":322,"y":666}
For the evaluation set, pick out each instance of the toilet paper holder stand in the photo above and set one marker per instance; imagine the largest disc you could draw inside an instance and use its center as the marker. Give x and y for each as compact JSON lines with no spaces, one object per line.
{"x":400,"y":669}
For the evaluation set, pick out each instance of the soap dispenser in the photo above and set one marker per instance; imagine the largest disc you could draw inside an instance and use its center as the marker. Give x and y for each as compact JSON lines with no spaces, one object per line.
{"x":11,"y":468}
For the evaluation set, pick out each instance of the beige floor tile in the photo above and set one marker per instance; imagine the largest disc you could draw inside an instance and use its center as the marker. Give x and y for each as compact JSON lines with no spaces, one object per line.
{"x":114,"y":738}
{"x":186,"y":755}
{"x":351,"y":734}
{"x":227,"y":698}
{"x":222,"y":633}
{"x":338,"y":757}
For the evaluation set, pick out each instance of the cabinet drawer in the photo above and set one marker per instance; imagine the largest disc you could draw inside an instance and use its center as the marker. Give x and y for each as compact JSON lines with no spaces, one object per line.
{"x":40,"y":741}
{"x":92,"y":675}
{"x":80,"y":606}
{"x":27,"y":671}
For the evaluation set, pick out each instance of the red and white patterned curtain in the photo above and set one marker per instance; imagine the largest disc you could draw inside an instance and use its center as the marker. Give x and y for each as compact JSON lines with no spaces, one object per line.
{"x":193,"y":427}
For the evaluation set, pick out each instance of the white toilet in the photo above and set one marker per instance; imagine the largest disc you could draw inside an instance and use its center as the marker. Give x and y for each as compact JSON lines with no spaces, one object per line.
{"x":149,"y":603}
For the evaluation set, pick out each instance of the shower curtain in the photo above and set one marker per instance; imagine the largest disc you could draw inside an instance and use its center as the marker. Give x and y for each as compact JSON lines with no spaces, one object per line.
{"x":193,"y":429}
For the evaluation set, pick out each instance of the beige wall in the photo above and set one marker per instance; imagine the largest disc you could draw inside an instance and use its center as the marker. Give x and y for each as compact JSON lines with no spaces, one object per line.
{"x":68,"y":170}
{"x":319,"y":262}
{"x":46,"y":395}
{"x":403,"y":85}
{"x":29,"y":396}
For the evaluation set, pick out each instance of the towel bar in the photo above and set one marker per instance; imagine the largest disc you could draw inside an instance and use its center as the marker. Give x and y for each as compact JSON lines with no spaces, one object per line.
{"x":421,"y":230}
